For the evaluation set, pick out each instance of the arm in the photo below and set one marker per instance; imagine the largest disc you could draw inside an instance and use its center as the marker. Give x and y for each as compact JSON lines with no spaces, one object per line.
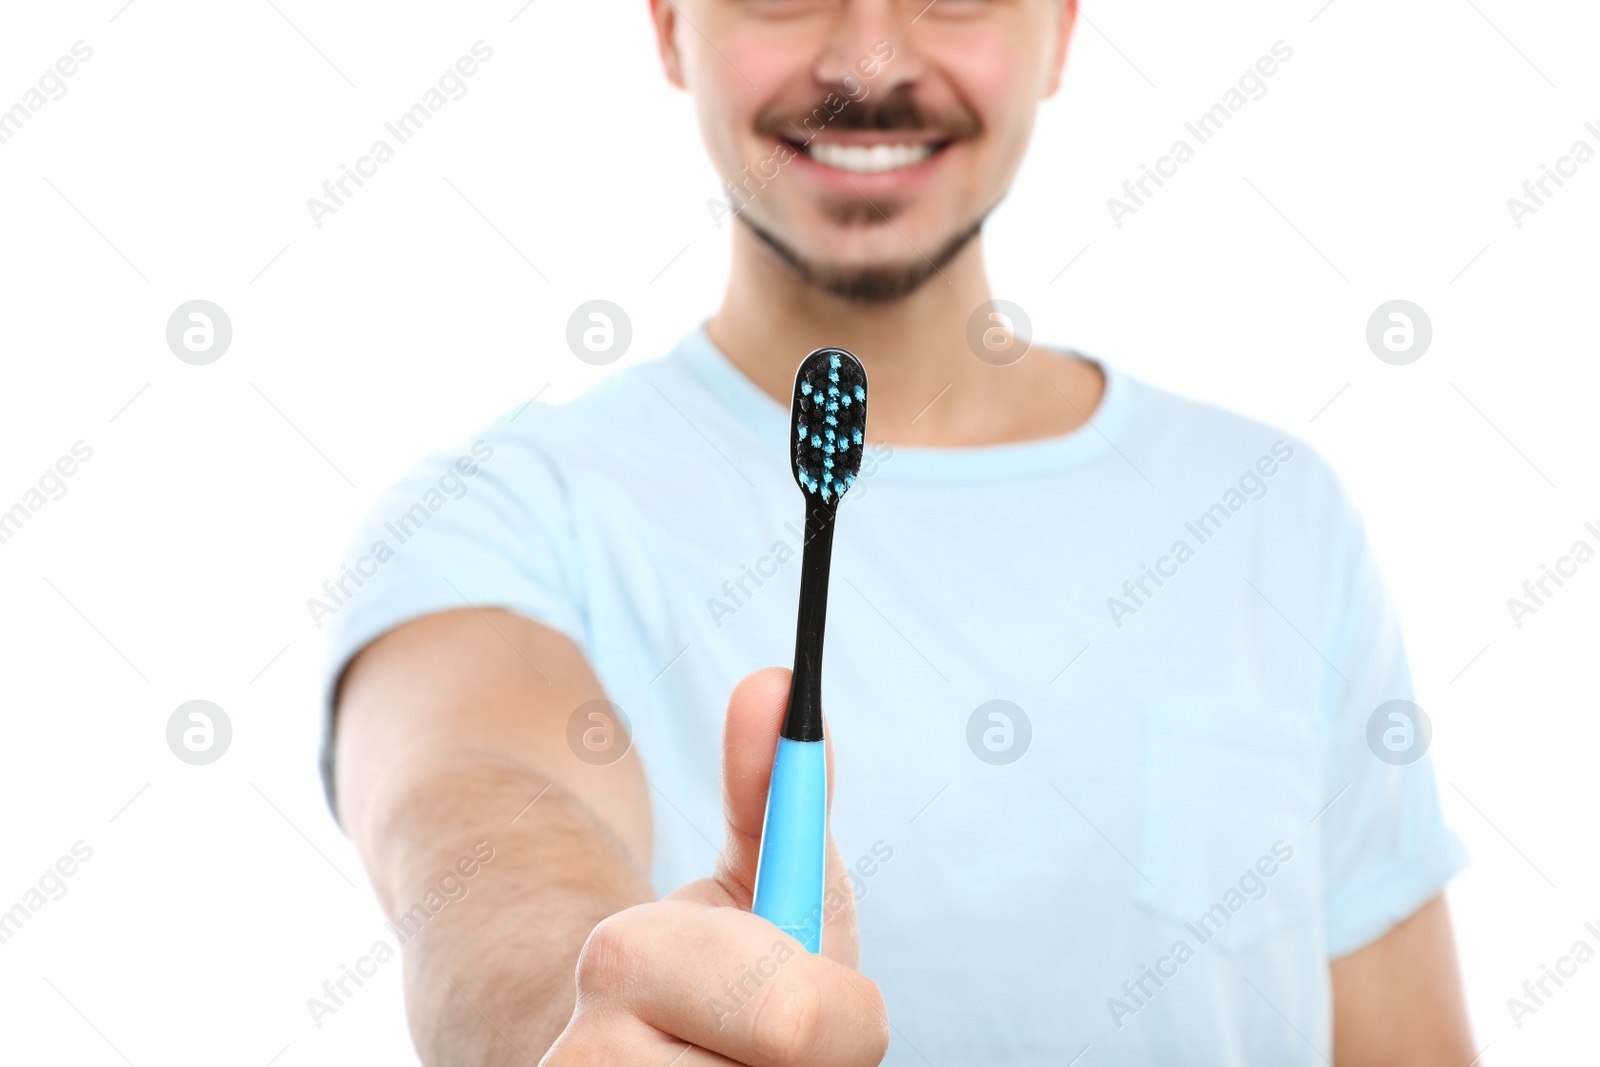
{"x":1398,"y":1000}
{"x":448,"y":727}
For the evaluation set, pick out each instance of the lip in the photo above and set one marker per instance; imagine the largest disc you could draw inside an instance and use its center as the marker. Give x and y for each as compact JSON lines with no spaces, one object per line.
{"x":881,"y":183}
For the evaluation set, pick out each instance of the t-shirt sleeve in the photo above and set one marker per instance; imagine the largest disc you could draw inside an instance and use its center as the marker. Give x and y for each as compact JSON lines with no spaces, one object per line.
{"x":1387,"y":848}
{"x":486,"y":524}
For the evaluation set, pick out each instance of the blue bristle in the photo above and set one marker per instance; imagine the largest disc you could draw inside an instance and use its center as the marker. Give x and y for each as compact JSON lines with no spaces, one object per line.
{"x":829,"y":412}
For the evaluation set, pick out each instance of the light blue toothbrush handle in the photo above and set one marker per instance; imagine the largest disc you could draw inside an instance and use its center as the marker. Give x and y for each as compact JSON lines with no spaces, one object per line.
{"x":790,"y":872}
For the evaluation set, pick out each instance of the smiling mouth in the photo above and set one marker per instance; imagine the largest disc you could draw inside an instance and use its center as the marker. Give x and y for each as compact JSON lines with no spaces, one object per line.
{"x":869,"y":159}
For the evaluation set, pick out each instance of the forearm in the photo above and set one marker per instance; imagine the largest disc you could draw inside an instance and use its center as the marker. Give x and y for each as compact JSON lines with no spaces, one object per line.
{"x":489,"y":976}
{"x":1398,"y":1001}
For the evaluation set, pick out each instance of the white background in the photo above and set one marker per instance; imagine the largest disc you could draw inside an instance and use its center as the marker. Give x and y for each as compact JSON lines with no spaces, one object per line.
{"x":220,"y":497}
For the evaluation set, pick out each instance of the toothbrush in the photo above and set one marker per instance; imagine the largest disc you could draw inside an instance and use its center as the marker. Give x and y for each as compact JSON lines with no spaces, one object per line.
{"x":826,"y":422}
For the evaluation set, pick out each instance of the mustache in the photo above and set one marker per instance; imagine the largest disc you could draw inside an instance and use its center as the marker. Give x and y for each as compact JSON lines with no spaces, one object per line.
{"x":896,"y":110}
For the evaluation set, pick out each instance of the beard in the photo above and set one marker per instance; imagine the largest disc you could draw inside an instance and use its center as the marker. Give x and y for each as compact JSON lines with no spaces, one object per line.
{"x":877,"y":284}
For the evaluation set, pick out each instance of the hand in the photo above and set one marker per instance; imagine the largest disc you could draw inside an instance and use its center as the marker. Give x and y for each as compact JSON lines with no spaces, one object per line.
{"x":696,"y":976}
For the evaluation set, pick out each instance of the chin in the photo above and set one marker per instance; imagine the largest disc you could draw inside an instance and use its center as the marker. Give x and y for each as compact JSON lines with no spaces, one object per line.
{"x":867,"y":278}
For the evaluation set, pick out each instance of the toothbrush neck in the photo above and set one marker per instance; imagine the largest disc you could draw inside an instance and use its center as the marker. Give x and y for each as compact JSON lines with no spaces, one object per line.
{"x":803,"y":720}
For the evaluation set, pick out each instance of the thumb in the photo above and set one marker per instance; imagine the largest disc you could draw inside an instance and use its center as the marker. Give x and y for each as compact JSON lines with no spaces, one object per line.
{"x":749,"y":743}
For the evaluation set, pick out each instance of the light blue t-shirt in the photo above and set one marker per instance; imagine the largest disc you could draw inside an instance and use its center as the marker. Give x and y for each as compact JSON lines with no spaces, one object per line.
{"x":1150,"y":849}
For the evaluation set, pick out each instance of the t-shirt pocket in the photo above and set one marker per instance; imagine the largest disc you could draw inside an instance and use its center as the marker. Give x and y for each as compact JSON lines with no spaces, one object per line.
{"x":1230,"y":792}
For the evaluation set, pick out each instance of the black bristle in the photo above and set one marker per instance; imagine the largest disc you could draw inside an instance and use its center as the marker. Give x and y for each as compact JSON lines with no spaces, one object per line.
{"x":828,"y":423}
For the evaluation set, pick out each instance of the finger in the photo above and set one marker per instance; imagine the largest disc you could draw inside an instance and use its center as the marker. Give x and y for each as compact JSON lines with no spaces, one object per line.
{"x":750,"y":741}
{"x":841,"y":939}
{"x":730,"y":982}
{"x":616,"y":1037}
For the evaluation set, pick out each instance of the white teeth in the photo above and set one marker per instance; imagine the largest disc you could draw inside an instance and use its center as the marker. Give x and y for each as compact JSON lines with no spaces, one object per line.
{"x":863,"y":159}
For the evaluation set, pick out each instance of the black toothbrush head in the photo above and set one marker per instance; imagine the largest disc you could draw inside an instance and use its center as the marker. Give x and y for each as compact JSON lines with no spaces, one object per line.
{"x":827,"y":423}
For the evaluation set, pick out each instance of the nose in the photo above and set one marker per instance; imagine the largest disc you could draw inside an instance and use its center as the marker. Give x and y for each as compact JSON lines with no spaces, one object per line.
{"x":870,"y":43}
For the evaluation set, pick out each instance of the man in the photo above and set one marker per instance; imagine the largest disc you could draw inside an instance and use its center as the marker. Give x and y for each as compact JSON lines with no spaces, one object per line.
{"x":1101,"y":662}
